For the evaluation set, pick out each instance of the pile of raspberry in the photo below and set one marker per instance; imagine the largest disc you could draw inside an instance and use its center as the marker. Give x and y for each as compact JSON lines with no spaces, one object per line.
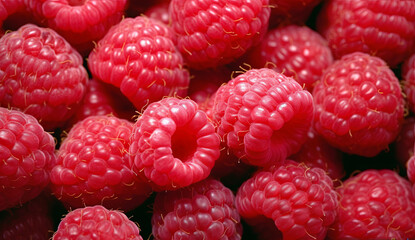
{"x":207,"y":119}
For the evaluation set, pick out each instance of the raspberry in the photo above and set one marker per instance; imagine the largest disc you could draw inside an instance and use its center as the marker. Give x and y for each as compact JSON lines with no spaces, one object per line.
{"x":359,"y":105}
{"x":295,"y":51}
{"x":408,"y":75}
{"x":375,"y":204}
{"x":103,"y":99}
{"x":80,"y":22}
{"x":173,"y":144}
{"x":33,"y":220}
{"x":404,"y":143}
{"x":93,"y":166}
{"x":160,"y":12}
{"x":14,"y":14}
{"x":138,"y":55}
{"x":41,"y":74}
{"x":212,"y":33}
{"x":385,"y":29}
{"x":27,"y":153}
{"x":301,"y":201}
{"x":262,"y":116}
{"x":204,"y":210}
{"x":316,"y":152}
{"x":97,"y":222}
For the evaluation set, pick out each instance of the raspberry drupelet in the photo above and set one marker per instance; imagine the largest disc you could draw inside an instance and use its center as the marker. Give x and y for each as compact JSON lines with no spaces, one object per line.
{"x":173,"y":144}
{"x":359,"y":105}
{"x":41,"y":75}
{"x":262,"y":116}
{"x":139,"y":56}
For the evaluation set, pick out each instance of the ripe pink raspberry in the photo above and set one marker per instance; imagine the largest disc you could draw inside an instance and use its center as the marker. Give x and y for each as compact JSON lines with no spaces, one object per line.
{"x":80,"y":22}
{"x":316,"y":152}
{"x":295,"y":51}
{"x":173,"y":144}
{"x":93,"y":166}
{"x":205,"y":210}
{"x":33,"y":220}
{"x":408,"y":75}
{"x":359,"y":105}
{"x":97,"y":222}
{"x":159,"y":11}
{"x":290,"y":11}
{"x":300,"y":201}
{"x":385,"y":29}
{"x":138,"y":55}
{"x":103,"y":99}
{"x":212,"y":33}
{"x":41,"y":75}
{"x":375,"y":204}
{"x":405,"y":141}
{"x":14,"y":14}
{"x":27,"y":153}
{"x":263,"y":116}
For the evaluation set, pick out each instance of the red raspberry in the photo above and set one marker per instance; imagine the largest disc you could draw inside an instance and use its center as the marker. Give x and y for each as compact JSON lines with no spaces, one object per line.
{"x":295,"y":51}
{"x":291,"y":11}
{"x":404,"y":143}
{"x":139,"y":56}
{"x":160,"y":12}
{"x":14,"y":14}
{"x":80,"y":22}
{"x":97,"y":222}
{"x":103,"y":99}
{"x":301,"y":201}
{"x":27,"y":153}
{"x":385,"y":29}
{"x":316,"y":152}
{"x":359,"y":105}
{"x":93,"y":166}
{"x":41,"y":74}
{"x":263,"y":116}
{"x":205,"y":210}
{"x":173,"y":144}
{"x":375,"y":204}
{"x":212,"y":33}
{"x":33,"y":221}
{"x":408,"y":75}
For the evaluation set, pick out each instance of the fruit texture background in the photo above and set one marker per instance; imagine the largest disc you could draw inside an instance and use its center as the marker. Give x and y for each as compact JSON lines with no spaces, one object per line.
{"x":207,"y":119}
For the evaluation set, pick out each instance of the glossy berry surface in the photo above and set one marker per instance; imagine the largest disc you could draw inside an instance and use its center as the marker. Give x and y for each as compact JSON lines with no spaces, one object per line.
{"x":27,"y":153}
{"x":139,"y":56}
{"x":41,"y":75}
{"x":301,"y":201}
{"x":408,"y":75}
{"x":262,"y":116}
{"x":359,"y":105}
{"x":93,"y":166}
{"x":375,"y":204}
{"x":212,"y":33}
{"x":174,"y":144}
{"x":204,"y":210}
{"x":96,"y":222}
